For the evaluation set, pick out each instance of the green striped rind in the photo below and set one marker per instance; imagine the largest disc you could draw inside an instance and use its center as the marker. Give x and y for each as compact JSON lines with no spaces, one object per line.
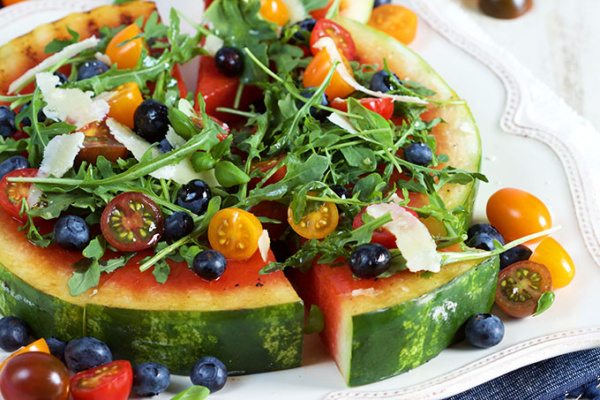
{"x":397,"y":339}
{"x":247,"y":341}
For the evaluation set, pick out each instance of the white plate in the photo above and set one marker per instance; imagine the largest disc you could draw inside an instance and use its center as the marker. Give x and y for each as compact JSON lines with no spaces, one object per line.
{"x":563,"y":172}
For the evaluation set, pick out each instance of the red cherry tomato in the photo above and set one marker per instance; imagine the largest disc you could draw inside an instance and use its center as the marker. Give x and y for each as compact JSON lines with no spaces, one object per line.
{"x":12,"y":194}
{"x":381,"y":236}
{"x":341,"y":37}
{"x":520,"y":286}
{"x":109,"y":381}
{"x":34,"y":376}
{"x":321,"y":12}
{"x":265,"y":167}
{"x":99,"y":142}
{"x":383,"y":107}
{"x":131,"y":222}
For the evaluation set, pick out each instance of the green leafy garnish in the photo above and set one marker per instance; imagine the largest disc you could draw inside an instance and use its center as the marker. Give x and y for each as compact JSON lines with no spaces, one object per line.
{"x":544,"y":303}
{"x":193,"y":393}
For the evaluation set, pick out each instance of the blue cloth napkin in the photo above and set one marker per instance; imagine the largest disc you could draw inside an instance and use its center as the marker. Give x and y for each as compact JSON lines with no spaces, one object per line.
{"x":570,"y":376}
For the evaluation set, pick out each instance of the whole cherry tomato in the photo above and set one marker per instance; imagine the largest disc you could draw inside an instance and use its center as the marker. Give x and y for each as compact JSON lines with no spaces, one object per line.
{"x":275,"y":11}
{"x":558,"y":261}
{"x":125,"y":48}
{"x":39,"y":346}
{"x":34,"y":376}
{"x":124,"y":102}
{"x":395,"y":20}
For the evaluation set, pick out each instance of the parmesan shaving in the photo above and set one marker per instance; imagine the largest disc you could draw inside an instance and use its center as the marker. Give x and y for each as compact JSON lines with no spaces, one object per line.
{"x":66,"y":53}
{"x":328,"y":44}
{"x":296,"y":10}
{"x":212,"y":44}
{"x":264,"y":245}
{"x":174,"y":139}
{"x":103,"y":58}
{"x":342,"y":122}
{"x":60,"y":154}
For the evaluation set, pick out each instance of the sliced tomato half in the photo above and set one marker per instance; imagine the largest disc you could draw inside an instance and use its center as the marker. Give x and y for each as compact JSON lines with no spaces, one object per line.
{"x":383,"y":107}
{"x":520,"y":286}
{"x":12,"y":194}
{"x":109,"y":381}
{"x":99,"y":142}
{"x":265,"y":167}
{"x":381,"y":235}
{"x":341,"y":37}
{"x":132,"y":222}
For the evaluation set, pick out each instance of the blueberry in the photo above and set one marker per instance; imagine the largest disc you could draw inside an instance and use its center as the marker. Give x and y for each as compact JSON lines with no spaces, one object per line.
{"x":484,"y":330}
{"x":516,"y":254}
{"x":178,"y":225}
{"x":13,"y":163}
{"x":316,"y":113}
{"x":209,"y":265}
{"x":150,"y":379}
{"x":305,"y":28}
{"x":194,"y":196}
{"x":419,"y":154}
{"x":86,"y":353}
{"x":209,"y":372}
{"x":482,"y":236}
{"x":57,"y":347}
{"x":230,"y":61}
{"x":151,"y":120}
{"x":72,"y":232}
{"x":62,"y":78}
{"x":369,"y":260}
{"x":7,"y":122}
{"x":341,"y":191}
{"x":164,"y":146}
{"x":14,"y":334}
{"x":92,"y":68}
{"x":26,"y":121}
{"x":381,"y":3}
{"x":382,"y":81}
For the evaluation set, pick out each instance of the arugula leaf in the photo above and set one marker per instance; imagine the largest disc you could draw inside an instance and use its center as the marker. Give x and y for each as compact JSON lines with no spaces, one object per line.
{"x":57,"y":45}
{"x":161,"y":271}
{"x":544,"y":303}
{"x":193,"y":393}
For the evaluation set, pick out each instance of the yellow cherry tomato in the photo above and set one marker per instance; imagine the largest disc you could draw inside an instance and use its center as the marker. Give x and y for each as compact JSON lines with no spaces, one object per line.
{"x":39,"y":346}
{"x":275,"y":11}
{"x":125,"y":49}
{"x":124,"y":102}
{"x":316,"y":224}
{"x":516,"y":213}
{"x":397,"y":21}
{"x":235,"y":233}
{"x":317,"y":71}
{"x":558,"y":261}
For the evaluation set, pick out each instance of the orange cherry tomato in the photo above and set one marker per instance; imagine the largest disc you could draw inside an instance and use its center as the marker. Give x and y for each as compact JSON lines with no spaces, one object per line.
{"x":125,"y":48}
{"x":275,"y":11}
{"x":235,"y":233}
{"x":317,"y":72}
{"x":558,"y":261}
{"x":124,"y":102}
{"x":39,"y":345}
{"x":317,"y":224}
{"x":397,"y":21}
{"x":516,"y":213}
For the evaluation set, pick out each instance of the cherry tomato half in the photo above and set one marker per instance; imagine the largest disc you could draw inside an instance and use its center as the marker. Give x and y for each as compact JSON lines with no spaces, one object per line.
{"x":383,"y":107}
{"x":12,"y":194}
{"x":558,"y":261}
{"x":34,"y":376}
{"x":124,"y":102}
{"x":516,"y":213}
{"x":381,"y":235}
{"x":234,"y":232}
{"x":125,"y":48}
{"x":317,"y":224}
{"x":109,"y":381}
{"x":266,"y":166}
{"x":39,"y":346}
{"x":520,"y":286}
{"x":341,"y":37}
{"x":99,"y":142}
{"x":316,"y":72}
{"x":131,"y":222}
{"x":395,"y":20}
{"x":275,"y":11}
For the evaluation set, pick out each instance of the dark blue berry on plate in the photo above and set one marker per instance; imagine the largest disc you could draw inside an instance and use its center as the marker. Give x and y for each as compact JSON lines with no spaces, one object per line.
{"x":7,"y":122}
{"x":378,"y":3}
{"x":151,"y":120}
{"x":194,"y":196}
{"x":164,"y":146}
{"x":484,"y":330}
{"x":86,"y":353}
{"x":13,"y":163}
{"x":382,"y":81}
{"x":230,"y":61}
{"x":315,"y":112}
{"x":178,"y":225}
{"x":341,"y":191}
{"x":514,"y":255}
{"x":209,"y":372}
{"x":26,"y":121}
{"x":57,"y":347}
{"x":14,"y":334}
{"x":369,"y":260}
{"x":418,"y":154}
{"x":91,"y":68}
{"x":150,"y":379}
{"x":209,"y":265}
{"x":72,"y":232}
{"x":305,"y":28}
{"x":62,"y":78}
{"x":482,"y":236}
